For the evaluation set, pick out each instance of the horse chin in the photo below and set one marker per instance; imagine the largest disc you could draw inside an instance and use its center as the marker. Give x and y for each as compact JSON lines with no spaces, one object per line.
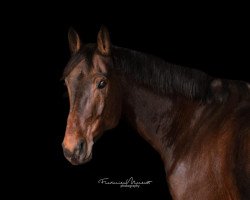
{"x":82,"y":160}
{"x":86,"y":159}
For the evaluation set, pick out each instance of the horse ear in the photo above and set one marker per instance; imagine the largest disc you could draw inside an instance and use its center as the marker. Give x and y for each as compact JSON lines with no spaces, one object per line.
{"x":103,"y":41}
{"x":74,"y":41}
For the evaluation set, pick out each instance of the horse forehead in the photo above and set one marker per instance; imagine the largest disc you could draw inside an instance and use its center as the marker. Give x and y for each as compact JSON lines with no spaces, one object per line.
{"x":84,"y":66}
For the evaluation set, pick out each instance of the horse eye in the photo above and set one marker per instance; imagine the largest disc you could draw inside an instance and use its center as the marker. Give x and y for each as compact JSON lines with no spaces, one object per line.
{"x":101,"y":84}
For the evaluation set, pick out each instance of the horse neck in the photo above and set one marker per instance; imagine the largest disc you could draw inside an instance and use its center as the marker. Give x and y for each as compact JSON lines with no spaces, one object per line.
{"x":159,"y":110}
{"x":157,"y":118}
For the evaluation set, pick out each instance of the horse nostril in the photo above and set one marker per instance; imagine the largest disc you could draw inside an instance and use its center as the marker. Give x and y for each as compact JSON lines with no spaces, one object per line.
{"x":81,"y":146}
{"x":67,"y":153}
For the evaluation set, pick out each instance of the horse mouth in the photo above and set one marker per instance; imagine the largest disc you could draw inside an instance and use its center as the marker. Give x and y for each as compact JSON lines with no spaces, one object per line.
{"x":80,"y":160}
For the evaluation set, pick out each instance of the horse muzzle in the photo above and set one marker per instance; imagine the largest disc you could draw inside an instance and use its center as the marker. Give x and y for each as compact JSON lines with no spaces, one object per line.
{"x":79,"y":155}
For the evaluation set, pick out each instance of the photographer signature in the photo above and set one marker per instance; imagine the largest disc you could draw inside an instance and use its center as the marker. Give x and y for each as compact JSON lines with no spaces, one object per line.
{"x":128,"y":183}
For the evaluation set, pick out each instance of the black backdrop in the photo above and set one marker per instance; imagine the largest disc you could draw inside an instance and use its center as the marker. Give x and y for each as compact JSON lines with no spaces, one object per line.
{"x":211,"y":40}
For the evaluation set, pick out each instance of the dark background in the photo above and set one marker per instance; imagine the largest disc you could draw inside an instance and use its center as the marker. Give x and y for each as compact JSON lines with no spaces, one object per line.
{"x":212,"y":39}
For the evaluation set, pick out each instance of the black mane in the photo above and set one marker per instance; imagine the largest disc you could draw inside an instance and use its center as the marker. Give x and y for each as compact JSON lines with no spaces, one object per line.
{"x":86,"y":53}
{"x":161,"y":76}
{"x":151,"y":72}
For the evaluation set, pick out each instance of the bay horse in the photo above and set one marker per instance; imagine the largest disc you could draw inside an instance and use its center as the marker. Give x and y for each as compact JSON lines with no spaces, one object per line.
{"x":199,"y":125}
